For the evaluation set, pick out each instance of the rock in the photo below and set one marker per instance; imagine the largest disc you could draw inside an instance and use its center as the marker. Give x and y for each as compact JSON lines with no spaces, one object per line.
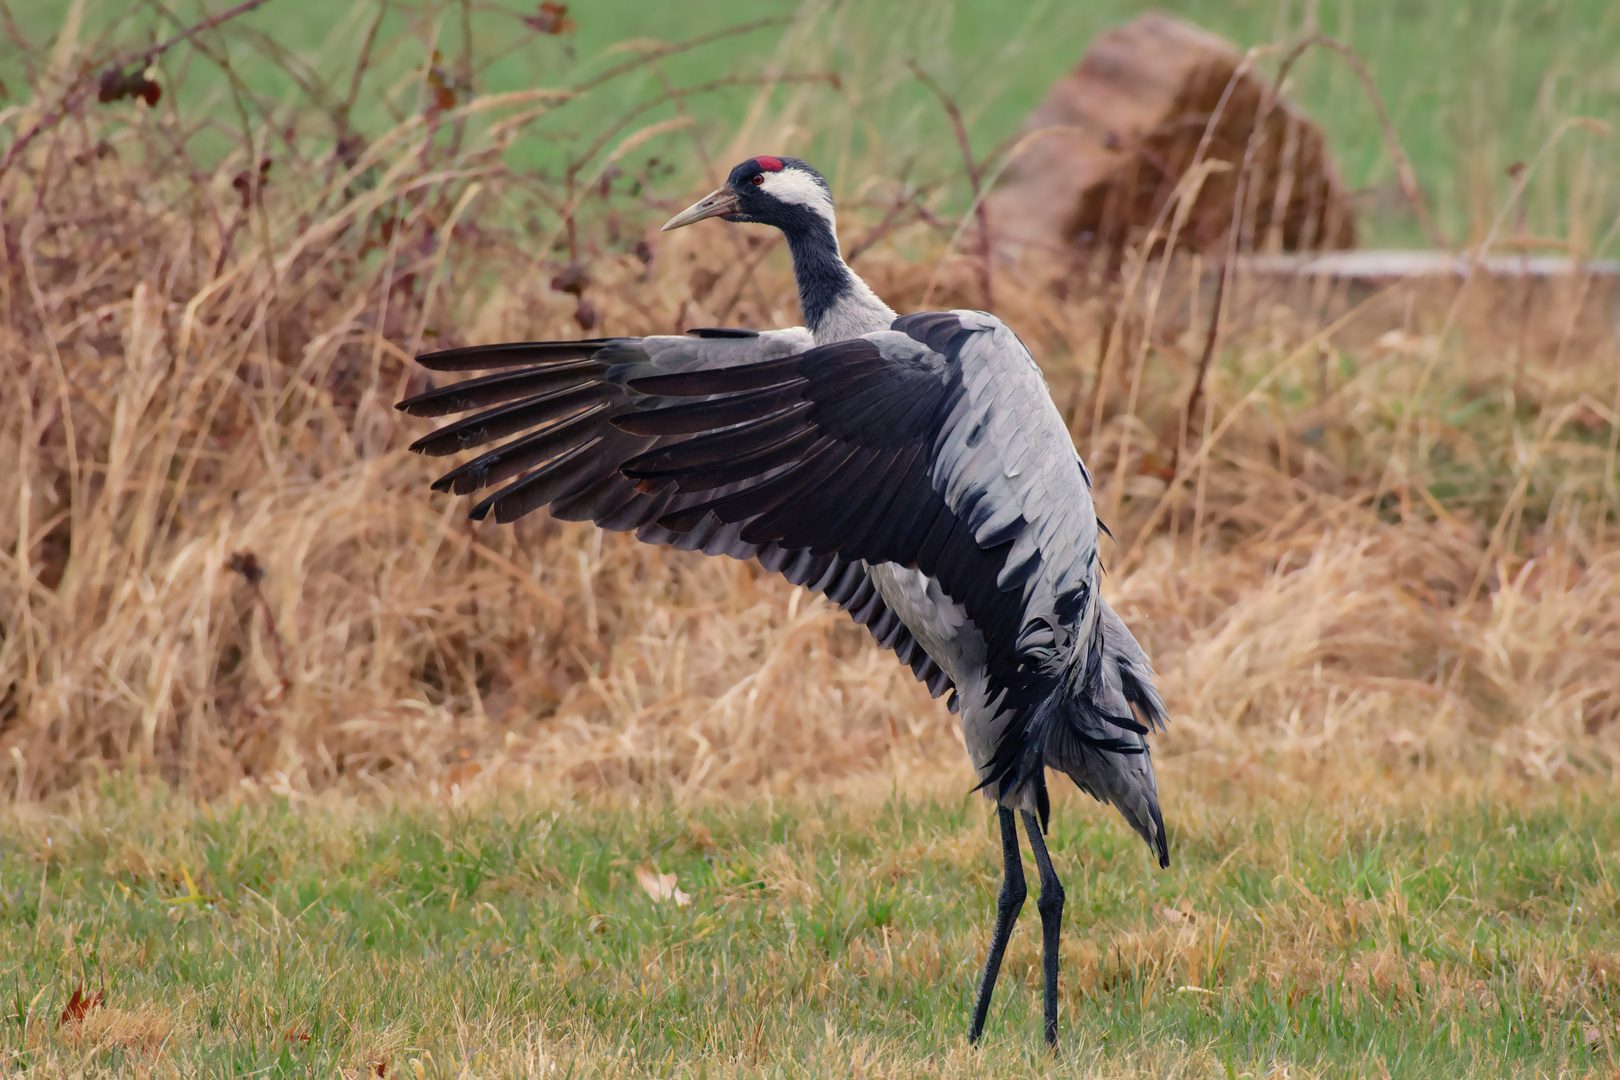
{"x":1132,"y":115}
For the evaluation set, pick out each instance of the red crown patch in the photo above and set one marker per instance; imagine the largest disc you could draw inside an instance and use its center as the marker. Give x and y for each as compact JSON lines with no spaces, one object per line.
{"x":769,"y":164}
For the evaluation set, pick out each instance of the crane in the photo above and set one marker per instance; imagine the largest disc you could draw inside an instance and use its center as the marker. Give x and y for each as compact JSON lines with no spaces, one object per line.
{"x":912,"y":468}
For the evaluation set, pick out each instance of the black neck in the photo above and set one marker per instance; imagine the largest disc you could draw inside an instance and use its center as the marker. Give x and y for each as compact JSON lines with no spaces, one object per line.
{"x":817,"y":267}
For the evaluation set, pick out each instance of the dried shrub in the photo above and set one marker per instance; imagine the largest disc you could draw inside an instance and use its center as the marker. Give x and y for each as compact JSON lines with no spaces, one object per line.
{"x":1353,"y":565}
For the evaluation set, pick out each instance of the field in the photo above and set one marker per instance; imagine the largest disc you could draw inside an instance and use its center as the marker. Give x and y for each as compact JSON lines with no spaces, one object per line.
{"x":308,"y":774}
{"x":445,"y":938}
{"x":1470,"y":87}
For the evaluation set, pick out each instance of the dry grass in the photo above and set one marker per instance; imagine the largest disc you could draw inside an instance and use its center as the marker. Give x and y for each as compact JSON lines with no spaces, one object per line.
{"x":1379,"y":563}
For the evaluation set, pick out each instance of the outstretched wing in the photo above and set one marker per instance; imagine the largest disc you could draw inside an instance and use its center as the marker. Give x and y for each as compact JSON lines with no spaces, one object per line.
{"x":934,"y":445}
{"x":558,"y":400}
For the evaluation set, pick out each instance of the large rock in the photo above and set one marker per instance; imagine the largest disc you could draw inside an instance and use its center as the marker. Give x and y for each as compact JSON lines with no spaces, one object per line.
{"x":1133,"y":113}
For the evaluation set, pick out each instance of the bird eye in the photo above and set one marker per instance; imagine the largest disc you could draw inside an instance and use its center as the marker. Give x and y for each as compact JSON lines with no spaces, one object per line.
{"x":759,"y":178}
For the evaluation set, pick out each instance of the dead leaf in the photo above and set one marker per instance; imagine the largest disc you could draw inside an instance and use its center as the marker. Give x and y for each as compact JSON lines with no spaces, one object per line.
{"x":247,"y":187}
{"x":441,"y":84}
{"x":551,"y":18}
{"x":246,"y":563}
{"x":700,"y":839}
{"x":1590,"y":419}
{"x":79,"y":1006}
{"x":193,"y":894}
{"x":1154,"y":465}
{"x":586,"y":315}
{"x":117,"y":84}
{"x":573,"y":280}
{"x":661,"y":886}
{"x":1182,"y":912}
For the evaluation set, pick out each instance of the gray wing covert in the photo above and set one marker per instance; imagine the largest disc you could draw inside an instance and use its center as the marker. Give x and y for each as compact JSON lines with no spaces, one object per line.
{"x":556,"y":398}
{"x":1004,"y":456}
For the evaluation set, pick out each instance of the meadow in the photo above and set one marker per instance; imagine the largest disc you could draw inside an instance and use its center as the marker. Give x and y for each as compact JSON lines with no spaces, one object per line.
{"x":306,"y":773}
{"x":513,"y":937}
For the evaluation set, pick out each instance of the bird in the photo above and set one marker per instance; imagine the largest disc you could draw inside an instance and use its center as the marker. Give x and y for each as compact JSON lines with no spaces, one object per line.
{"x":911,"y":468}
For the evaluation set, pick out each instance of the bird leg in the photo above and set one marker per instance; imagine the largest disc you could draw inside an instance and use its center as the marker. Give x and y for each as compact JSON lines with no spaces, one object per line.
{"x":1008,"y":905}
{"x":1050,"y":905}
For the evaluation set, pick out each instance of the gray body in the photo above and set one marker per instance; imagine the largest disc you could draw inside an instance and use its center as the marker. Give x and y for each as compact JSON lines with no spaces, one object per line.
{"x":1031,"y":468}
{"x":1054,"y":687}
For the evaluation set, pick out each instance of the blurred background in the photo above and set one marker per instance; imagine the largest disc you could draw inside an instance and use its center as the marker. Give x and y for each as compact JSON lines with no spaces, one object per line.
{"x":1470,"y":88}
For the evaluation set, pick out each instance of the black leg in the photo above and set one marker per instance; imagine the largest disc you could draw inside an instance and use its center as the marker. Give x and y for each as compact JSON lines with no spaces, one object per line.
{"x":1007,"y":908}
{"x":1050,"y":905}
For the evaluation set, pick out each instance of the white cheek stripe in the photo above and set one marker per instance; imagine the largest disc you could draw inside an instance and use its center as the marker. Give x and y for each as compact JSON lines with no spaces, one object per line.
{"x":793,"y":186}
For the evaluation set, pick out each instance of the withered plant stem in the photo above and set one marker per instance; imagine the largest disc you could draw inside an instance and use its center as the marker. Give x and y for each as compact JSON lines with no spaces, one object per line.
{"x":1410,"y":188}
{"x":975,"y":175}
{"x":178,"y":398}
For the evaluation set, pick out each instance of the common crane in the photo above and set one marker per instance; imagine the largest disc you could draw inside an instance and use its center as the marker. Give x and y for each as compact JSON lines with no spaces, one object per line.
{"x":910,"y":467}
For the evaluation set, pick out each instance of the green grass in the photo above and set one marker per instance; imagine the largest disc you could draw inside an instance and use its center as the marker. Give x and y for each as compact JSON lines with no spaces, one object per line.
{"x":1471,"y":86}
{"x":276,"y":939}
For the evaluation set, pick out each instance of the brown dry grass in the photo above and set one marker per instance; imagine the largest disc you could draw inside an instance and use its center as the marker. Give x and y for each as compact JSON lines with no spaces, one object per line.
{"x":1386,"y":561}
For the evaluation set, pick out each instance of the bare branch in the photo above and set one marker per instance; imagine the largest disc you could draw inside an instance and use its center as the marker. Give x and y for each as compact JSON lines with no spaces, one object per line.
{"x":82,"y":87}
{"x":1409,"y":187}
{"x":1392,"y":143}
{"x":678,"y":47}
{"x":975,"y":177}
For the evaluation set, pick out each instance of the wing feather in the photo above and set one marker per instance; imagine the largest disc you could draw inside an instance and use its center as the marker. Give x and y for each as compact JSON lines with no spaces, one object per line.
{"x":579,"y":413}
{"x":932,"y":446}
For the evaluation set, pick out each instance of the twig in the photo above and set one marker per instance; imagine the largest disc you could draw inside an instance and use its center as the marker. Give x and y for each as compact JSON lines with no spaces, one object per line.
{"x":891,"y":221}
{"x":246,"y":563}
{"x":1199,"y":161}
{"x":241,"y":95}
{"x":364,"y":62}
{"x":678,"y":47}
{"x":82,"y":88}
{"x":305,"y":76}
{"x":1268,"y":103}
{"x":346,"y":141}
{"x":464,"y":76}
{"x":1403,"y":168}
{"x":748,"y":275}
{"x":735,"y":236}
{"x":647,"y":56}
{"x":1262,"y":114}
{"x":975,"y":176}
{"x":25,"y":48}
{"x":1204,"y":358}
{"x":624,"y":121}
{"x":571,"y":175}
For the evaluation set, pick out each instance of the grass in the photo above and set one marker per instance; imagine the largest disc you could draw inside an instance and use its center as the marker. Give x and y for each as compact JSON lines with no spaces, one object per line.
{"x":1471,"y":87}
{"x":1392,"y":558}
{"x":497,"y":937}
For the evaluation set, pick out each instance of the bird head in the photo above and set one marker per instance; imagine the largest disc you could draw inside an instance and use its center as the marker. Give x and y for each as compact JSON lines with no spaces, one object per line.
{"x":784,"y":192}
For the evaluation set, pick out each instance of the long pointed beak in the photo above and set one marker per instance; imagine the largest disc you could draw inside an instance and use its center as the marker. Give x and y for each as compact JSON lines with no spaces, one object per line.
{"x":714,"y":204}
